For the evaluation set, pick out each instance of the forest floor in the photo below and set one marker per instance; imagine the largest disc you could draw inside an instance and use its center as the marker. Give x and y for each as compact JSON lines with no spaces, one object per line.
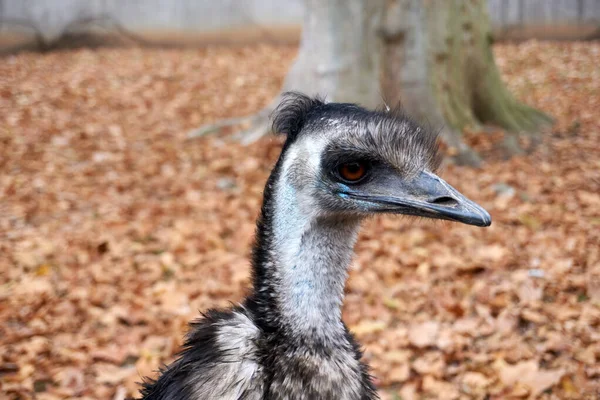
{"x":115,"y":230}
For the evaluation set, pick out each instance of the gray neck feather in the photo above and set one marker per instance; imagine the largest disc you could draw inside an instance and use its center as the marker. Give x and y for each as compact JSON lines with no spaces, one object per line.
{"x":311,"y":255}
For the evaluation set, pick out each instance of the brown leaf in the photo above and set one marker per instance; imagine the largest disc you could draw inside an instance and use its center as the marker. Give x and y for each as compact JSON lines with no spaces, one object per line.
{"x":529,"y":374}
{"x":111,"y":374}
{"x":424,"y":334}
{"x":440,"y":389}
{"x":399,"y":374}
{"x":368,"y":327}
{"x":431,"y":363}
{"x":476,"y":381}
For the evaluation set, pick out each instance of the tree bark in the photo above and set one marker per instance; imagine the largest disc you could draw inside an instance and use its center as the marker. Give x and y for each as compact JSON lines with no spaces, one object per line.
{"x":432,"y":56}
{"x":340,"y":51}
{"x":339,"y":57}
{"x":462,"y":74}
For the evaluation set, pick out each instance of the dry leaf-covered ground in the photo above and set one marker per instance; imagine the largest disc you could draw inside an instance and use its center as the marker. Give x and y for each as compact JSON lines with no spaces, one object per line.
{"x":115,"y":230}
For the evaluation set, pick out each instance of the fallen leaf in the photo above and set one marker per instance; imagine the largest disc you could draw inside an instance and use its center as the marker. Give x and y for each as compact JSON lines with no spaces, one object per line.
{"x":424,"y":334}
{"x":440,"y":389}
{"x":476,"y":381}
{"x":399,"y":374}
{"x":368,"y":327}
{"x":529,"y":374}
{"x":111,"y":374}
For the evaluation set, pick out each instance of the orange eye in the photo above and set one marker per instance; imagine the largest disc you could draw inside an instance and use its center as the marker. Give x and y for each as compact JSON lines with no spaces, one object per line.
{"x":353,"y":171}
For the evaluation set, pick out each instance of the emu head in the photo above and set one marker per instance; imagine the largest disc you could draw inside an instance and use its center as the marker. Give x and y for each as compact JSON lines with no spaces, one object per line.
{"x":341,"y":159}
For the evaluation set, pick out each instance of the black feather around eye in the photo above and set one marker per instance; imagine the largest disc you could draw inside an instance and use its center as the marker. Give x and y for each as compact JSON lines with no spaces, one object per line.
{"x":293,"y":112}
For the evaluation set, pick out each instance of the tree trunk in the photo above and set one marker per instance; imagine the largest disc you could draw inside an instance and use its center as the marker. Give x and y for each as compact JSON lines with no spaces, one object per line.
{"x":432,"y":56}
{"x":340,"y":52}
{"x":340,"y":57}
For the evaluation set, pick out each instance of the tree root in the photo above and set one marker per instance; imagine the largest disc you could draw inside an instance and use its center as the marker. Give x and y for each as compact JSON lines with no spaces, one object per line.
{"x":217,"y":126}
{"x":523,"y":122}
{"x":467,"y":156}
{"x":259,"y":127}
{"x":464,"y":154}
{"x":510,"y":146}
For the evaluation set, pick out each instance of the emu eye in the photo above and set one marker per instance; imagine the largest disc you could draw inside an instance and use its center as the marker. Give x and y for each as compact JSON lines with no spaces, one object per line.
{"x":352,"y":171}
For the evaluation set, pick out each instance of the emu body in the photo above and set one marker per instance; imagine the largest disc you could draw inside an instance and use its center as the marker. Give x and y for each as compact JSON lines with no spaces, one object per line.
{"x":339,"y":164}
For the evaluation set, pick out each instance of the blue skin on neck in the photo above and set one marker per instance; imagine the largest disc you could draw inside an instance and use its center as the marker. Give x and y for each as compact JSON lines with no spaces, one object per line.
{"x":304,"y":286}
{"x":289,"y":202}
{"x":301,"y":288}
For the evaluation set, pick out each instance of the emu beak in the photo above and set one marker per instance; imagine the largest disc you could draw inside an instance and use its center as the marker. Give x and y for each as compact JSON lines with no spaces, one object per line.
{"x":427,"y":195}
{"x":430,"y":196}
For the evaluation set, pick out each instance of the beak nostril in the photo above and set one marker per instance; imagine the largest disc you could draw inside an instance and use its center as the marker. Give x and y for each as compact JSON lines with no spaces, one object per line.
{"x":444,"y":201}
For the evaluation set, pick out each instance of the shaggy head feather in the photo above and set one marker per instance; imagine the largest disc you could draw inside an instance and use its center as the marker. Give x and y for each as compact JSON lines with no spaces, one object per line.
{"x":387,"y":136}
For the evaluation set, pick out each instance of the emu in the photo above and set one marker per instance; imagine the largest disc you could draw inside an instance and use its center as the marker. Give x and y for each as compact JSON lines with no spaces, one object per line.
{"x":340,"y":164}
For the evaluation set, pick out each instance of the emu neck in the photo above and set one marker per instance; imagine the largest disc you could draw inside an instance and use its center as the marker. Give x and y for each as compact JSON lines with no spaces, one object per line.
{"x":305,"y":266}
{"x":314,"y":255}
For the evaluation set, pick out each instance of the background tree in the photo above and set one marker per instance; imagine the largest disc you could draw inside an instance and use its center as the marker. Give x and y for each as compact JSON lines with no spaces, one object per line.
{"x":432,"y":56}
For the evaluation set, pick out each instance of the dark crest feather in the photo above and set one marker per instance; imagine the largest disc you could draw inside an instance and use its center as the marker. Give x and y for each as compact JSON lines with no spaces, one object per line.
{"x":292,"y":113}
